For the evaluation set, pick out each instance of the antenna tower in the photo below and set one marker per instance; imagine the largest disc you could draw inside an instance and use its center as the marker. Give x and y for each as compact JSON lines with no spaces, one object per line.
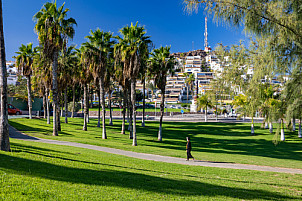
{"x":206,"y":34}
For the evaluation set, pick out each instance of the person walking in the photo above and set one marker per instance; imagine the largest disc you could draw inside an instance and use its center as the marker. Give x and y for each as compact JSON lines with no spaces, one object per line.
{"x":189,"y":148}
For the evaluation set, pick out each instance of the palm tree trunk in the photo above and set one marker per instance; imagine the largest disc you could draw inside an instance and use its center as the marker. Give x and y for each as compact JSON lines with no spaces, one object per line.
{"x":44,"y":104}
{"x":187,"y":94}
{"x":85,"y":108}
{"x":133,"y":99}
{"x":59,"y":119}
{"x":4,"y":134}
{"x":110,"y":109}
{"x":73,"y":101}
{"x":124,"y":112}
{"x":65,"y":100}
{"x":102,"y":89}
{"x":29,"y":97}
{"x":144,"y":104}
{"x":252,"y":126}
{"x":294,"y":123}
{"x":162,"y":108}
{"x":55,"y":92}
{"x":270,"y":127}
{"x":282,"y":137}
{"x":47,"y":106}
{"x":299,"y":131}
{"x":266,"y":122}
{"x":91,"y":97}
{"x":130,"y":109}
{"x":99,"y":109}
{"x":216,"y":111}
{"x":88,"y":105}
{"x":205,"y":115}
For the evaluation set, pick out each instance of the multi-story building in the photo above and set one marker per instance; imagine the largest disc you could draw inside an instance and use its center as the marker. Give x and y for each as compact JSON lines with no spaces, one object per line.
{"x":12,"y":77}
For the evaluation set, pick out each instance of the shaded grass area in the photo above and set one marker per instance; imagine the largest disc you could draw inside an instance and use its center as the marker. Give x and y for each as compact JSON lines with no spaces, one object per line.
{"x":37,"y":171}
{"x":221,"y":142}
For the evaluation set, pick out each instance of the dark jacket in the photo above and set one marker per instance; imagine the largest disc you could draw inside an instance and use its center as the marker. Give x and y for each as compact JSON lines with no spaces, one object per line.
{"x":189,"y":146}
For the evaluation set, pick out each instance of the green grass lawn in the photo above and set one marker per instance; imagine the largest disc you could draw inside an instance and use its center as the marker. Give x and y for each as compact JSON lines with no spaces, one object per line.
{"x":37,"y":171}
{"x":220,"y":142}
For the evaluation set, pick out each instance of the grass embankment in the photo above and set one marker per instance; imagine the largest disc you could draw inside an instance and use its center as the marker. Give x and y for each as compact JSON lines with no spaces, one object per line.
{"x":220,"y":142}
{"x":37,"y":171}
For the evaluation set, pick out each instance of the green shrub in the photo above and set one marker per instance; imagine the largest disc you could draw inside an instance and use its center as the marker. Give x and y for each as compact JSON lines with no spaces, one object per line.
{"x":77,"y":107}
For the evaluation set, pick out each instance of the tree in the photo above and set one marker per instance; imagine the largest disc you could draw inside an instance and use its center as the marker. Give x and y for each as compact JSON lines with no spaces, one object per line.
{"x":4,"y":135}
{"x":100,"y":44}
{"x":67,"y":65}
{"x":293,"y":94}
{"x":203,"y":102}
{"x":24,"y":62}
{"x":85,"y":77}
{"x":161,"y":64}
{"x":53,"y":30}
{"x":152,"y":88}
{"x":277,"y":24}
{"x":133,"y":46}
{"x":186,"y":75}
{"x":190,"y":83}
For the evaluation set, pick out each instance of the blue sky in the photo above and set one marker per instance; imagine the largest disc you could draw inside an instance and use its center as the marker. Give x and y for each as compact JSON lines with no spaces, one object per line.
{"x":165,"y":21}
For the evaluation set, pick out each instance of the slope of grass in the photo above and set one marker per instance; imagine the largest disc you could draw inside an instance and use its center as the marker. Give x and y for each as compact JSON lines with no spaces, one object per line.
{"x":220,"y":142}
{"x":36,"y":171}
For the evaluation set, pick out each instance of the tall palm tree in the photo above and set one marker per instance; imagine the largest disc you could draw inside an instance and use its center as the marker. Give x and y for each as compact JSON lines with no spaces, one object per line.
{"x":24,"y":62}
{"x":187,"y":85}
{"x":190,"y":83}
{"x":152,"y":88}
{"x":100,"y":44}
{"x":133,"y":45}
{"x":4,"y":135}
{"x":203,"y":102}
{"x":42,"y":76}
{"x":53,"y":30}
{"x":86,"y":60}
{"x":67,"y":63}
{"x":161,"y":65}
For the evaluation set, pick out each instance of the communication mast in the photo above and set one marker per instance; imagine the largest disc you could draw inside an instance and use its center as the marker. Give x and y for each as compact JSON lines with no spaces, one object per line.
{"x":206,"y":45}
{"x":206,"y":34}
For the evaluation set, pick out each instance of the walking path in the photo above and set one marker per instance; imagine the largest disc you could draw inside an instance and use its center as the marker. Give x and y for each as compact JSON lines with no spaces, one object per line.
{"x":18,"y":135}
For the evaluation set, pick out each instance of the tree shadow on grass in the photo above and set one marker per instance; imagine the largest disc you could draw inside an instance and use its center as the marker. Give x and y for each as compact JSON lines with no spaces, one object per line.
{"x":242,"y":143}
{"x":125,"y":179}
{"x":50,"y":153}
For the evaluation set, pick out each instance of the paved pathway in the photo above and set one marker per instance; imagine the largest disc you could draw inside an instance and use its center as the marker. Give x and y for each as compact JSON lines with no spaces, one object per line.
{"x":18,"y":135}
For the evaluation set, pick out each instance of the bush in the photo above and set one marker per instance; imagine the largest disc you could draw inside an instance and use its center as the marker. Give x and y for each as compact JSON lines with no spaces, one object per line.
{"x":185,"y":105}
{"x":77,"y":107}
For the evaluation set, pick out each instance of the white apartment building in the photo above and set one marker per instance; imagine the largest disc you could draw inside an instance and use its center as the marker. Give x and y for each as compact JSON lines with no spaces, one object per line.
{"x":12,"y":77}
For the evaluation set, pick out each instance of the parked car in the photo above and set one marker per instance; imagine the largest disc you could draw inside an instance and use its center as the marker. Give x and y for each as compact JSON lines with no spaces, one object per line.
{"x":13,"y":110}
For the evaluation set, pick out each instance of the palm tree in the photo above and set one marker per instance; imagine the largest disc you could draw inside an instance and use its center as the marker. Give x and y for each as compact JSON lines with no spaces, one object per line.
{"x":186,"y":75}
{"x":53,"y":30}
{"x":100,"y":44}
{"x":86,"y":60}
{"x":152,"y":88}
{"x":203,"y":102}
{"x":190,"y":83}
{"x":133,"y":47}
{"x":4,"y":135}
{"x":67,"y":64}
{"x":42,"y":76}
{"x":24,"y":62}
{"x":161,"y":64}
